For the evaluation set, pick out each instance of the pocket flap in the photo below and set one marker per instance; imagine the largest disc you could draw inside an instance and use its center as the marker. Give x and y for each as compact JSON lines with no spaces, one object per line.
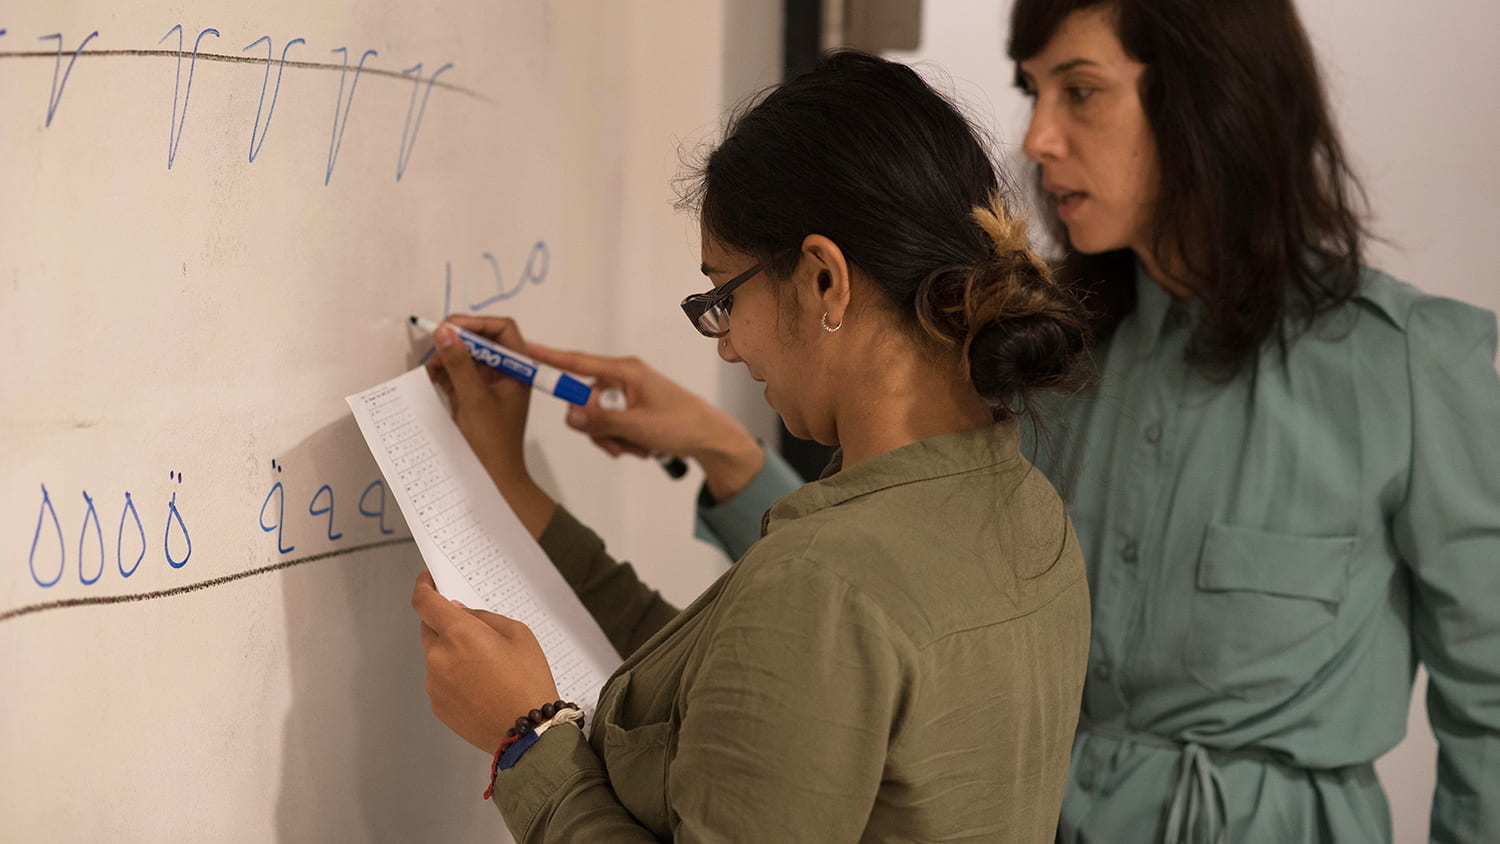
{"x":637,"y":762}
{"x":1237,"y":557}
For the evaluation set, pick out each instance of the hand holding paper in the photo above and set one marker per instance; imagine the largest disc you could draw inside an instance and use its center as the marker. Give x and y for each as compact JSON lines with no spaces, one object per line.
{"x":483,"y":669}
{"x":474,"y":545}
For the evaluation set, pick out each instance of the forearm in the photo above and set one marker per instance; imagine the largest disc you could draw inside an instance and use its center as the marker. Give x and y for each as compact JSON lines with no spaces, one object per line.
{"x":627,"y":610}
{"x":531,"y":504}
{"x":730,"y":464}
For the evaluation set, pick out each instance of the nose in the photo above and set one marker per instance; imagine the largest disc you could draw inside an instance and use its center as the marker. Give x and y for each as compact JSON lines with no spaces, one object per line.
{"x":1044,"y":139}
{"x":726,"y":350}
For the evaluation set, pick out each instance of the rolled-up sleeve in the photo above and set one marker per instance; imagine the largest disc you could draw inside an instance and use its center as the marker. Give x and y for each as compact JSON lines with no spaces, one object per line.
{"x":784,"y":731}
{"x":1448,"y":532}
{"x":559,"y":791}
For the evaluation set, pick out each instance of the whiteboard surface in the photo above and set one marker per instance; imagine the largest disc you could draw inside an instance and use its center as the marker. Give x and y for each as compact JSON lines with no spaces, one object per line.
{"x":204,"y":621}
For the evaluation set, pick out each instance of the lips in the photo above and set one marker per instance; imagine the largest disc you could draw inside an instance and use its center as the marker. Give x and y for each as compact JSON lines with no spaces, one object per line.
{"x":1064,"y":199}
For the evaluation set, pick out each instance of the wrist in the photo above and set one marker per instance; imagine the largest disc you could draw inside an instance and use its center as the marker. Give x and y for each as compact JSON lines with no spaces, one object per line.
{"x":730,"y":464}
{"x":527,"y":731}
{"x":531,"y":504}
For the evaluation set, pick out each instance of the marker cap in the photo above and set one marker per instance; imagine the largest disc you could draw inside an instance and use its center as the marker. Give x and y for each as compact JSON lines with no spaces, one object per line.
{"x":612,"y":398}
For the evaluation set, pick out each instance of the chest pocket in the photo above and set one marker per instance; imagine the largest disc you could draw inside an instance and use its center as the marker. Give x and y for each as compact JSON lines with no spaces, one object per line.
{"x":1264,"y":609}
{"x":636,"y":758}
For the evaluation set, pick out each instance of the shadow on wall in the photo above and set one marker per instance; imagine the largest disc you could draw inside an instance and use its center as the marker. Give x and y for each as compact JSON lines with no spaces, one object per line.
{"x":363,"y":757}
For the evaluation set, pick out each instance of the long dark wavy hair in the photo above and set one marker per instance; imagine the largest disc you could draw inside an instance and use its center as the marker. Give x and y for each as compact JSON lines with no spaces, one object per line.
{"x":1257,"y":198}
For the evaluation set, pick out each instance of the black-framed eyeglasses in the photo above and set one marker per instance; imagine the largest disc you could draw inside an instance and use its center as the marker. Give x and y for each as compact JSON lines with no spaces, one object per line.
{"x":709,"y":312}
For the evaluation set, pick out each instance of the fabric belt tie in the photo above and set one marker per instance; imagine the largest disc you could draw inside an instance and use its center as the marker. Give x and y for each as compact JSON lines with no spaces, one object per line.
{"x":1199,"y":795}
{"x":1199,"y":812}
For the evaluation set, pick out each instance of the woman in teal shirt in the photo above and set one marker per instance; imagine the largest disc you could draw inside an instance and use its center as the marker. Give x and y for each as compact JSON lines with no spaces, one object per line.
{"x":1285,"y":478}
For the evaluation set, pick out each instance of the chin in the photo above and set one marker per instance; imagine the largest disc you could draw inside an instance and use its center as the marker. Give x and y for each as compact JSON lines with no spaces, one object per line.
{"x":1081,"y":239}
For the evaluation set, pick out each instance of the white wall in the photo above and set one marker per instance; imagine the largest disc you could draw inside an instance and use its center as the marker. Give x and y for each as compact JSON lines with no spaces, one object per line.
{"x":680,"y":68}
{"x":186,"y":335}
{"x":1416,"y":94}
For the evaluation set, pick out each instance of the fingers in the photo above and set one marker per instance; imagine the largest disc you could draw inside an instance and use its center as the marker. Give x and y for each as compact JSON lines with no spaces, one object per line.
{"x":602,"y":428}
{"x":502,"y":330}
{"x":624,"y":370}
{"x":437,"y":613}
{"x":462,"y":373}
{"x":439,"y":376}
{"x":504,"y":625}
{"x":614,"y":447}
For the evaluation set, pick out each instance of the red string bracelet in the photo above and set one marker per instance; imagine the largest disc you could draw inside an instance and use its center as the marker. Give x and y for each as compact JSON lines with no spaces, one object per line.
{"x":524,"y":725}
{"x":495,"y":766}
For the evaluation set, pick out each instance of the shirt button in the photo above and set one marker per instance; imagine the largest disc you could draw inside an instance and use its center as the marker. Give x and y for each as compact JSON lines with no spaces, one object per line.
{"x":1180,"y":318}
{"x":1128,"y":552}
{"x":1153,"y":432}
{"x":1103,"y":672}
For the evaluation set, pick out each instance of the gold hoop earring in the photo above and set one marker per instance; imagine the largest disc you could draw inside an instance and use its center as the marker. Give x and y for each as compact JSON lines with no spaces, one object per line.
{"x":829,"y":328}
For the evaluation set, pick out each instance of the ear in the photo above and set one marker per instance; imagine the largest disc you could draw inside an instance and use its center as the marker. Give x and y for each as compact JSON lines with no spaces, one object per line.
{"x":823,"y":279}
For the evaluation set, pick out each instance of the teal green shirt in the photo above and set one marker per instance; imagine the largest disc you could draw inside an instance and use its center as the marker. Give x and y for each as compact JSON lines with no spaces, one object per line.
{"x":1270,"y":557}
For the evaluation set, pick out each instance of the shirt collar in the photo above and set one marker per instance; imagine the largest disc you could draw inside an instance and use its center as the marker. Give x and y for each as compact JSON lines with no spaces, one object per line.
{"x":934,"y":457}
{"x":1152,"y":302}
{"x":1157,"y":311}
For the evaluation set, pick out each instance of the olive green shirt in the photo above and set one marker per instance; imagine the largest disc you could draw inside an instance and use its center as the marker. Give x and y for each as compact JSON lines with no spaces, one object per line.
{"x":900,"y":658}
{"x":1269,"y":558}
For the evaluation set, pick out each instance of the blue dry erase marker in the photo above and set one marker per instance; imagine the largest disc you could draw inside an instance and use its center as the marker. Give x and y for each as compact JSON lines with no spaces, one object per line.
{"x":525,"y":370}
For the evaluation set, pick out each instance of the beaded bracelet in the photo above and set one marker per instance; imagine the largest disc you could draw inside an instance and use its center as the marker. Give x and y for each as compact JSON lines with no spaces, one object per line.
{"x":527,"y":731}
{"x":563,"y":716}
{"x":536,"y":717}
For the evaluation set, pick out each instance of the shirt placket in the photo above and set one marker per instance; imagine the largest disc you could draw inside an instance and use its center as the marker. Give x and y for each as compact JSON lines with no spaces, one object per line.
{"x":1144,"y":457}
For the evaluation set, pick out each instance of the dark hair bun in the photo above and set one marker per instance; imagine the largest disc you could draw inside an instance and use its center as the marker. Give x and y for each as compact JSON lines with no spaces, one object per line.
{"x":1021,"y":332}
{"x":1012,"y":357}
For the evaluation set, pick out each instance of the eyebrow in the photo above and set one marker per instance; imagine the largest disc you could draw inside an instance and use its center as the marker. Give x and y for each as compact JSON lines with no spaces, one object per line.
{"x":1057,"y":70}
{"x":1070,"y":64}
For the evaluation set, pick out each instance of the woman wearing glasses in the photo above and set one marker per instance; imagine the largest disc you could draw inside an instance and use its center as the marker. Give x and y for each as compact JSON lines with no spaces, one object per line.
{"x":1284,"y":481}
{"x":900,"y":657}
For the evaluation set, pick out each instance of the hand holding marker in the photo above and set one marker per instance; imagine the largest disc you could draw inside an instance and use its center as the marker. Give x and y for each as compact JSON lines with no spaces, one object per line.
{"x":543,"y":377}
{"x":613,"y":398}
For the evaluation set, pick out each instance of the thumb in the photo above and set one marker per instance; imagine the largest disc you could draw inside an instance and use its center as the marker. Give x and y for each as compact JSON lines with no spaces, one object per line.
{"x":435,"y":611}
{"x":453,"y":355}
{"x":596,"y":420}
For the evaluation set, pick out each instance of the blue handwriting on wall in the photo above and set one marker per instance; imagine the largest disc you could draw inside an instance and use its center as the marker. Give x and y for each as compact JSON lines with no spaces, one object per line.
{"x":54,"y":551}
{"x":50,"y":544}
{"x":404,"y":143}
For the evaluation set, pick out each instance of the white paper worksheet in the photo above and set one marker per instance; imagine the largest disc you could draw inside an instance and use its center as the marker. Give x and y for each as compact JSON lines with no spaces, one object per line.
{"x":475,"y":547}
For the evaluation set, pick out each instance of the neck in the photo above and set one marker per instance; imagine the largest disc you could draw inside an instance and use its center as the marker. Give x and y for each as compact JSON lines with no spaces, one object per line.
{"x":904,"y":396}
{"x":1168,"y":275}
